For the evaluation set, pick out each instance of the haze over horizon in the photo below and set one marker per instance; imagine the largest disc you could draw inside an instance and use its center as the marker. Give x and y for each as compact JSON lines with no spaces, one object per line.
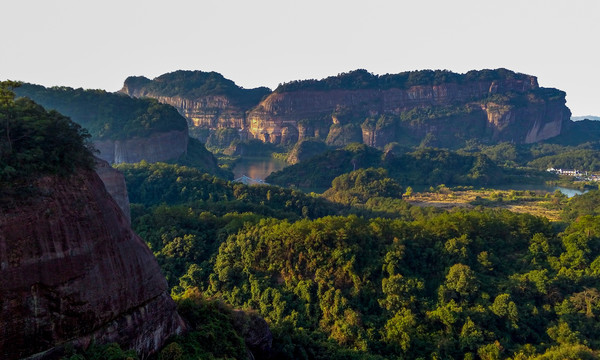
{"x":264,"y":43}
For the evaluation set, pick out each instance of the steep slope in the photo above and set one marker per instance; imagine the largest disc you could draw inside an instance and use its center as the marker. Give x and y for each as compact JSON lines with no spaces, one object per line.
{"x":439,"y":107}
{"x":114,"y":182}
{"x":71,"y":269}
{"x":206,"y":99}
{"x":123,"y":129}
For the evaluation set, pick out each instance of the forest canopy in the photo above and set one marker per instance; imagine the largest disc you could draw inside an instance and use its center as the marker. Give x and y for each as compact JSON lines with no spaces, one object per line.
{"x":196,"y":84}
{"x":107,"y":115}
{"x":36,"y":142}
{"x":362,"y":79}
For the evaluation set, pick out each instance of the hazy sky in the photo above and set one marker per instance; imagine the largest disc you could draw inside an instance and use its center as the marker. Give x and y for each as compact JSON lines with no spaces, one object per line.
{"x":97,"y":44}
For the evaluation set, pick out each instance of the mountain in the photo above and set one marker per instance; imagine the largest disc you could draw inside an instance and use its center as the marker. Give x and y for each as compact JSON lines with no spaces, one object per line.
{"x":434,"y":108}
{"x":72,"y":271}
{"x":123,"y":129}
{"x":586,"y":117}
{"x":439,"y":108}
{"x":206,"y":99}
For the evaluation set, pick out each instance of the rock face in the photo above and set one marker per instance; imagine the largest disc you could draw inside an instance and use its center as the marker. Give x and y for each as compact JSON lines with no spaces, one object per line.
{"x":436,"y":108}
{"x":72,"y":271}
{"x":156,"y":147}
{"x":114,"y":182}
{"x":449,"y":112}
{"x":206,"y":99}
{"x":213,"y":112}
{"x":123,"y":129}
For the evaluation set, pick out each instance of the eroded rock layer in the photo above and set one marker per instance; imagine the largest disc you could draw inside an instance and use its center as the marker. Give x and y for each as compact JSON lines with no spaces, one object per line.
{"x":72,"y":271}
{"x":447,"y":113}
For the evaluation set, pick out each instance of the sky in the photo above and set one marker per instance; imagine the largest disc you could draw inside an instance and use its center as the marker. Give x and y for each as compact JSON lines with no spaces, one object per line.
{"x":97,"y":44}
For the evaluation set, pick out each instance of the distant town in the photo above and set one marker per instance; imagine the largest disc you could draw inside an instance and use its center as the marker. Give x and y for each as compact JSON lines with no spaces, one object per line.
{"x":578,"y":175}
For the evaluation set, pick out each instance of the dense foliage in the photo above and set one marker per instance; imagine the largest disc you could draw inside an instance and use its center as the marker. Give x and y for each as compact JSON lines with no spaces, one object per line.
{"x":215,"y":331}
{"x":483,"y":284}
{"x":357,"y":187}
{"x":582,"y":205}
{"x":397,"y":288}
{"x":424,"y":166}
{"x":362,"y":79}
{"x":581,"y":159}
{"x":199,"y":157}
{"x":584,"y":156}
{"x":107,"y":115}
{"x":346,"y":287}
{"x":197,"y":84}
{"x":35,"y":142}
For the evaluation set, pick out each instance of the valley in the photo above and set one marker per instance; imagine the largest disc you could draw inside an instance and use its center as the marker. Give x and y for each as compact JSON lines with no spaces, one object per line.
{"x":436,"y":231}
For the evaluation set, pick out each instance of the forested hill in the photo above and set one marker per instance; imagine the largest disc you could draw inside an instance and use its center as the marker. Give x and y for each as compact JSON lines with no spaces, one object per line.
{"x":35,"y":142}
{"x":107,"y":115}
{"x":125,"y":129}
{"x":420,"y":167}
{"x":193,"y":85}
{"x":362,"y":79}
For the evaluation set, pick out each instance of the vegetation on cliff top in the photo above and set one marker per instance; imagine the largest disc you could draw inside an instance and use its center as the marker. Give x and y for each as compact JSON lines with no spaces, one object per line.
{"x":362,"y":79}
{"x":107,"y":115}
{"x":197,"y":84}
{"x":35,"y":142}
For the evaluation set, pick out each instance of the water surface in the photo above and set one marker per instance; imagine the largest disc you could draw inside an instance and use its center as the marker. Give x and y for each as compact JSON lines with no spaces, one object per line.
{"x":257,"y":167}
{"x":261,"y":167}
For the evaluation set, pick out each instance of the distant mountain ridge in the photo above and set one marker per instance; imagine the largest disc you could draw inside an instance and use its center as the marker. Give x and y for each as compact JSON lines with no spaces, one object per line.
{"x":585,"y":117}
{"x":206,"y":99}
{"x":434,"y":108}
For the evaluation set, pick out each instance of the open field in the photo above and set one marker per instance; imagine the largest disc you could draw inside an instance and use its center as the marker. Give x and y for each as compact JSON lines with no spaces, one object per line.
{"x":537,"y":203}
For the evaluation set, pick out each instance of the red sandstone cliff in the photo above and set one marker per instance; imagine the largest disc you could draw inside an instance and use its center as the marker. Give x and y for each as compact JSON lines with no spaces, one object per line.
{"x":438,"y":107}
{"x":72,"y":271}
{"x":537,"y":116}
{"x":114,"y":182}
{"x":206,"y":99}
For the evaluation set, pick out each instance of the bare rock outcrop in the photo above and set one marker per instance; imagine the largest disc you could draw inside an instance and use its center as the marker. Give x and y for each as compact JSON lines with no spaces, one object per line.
{"x":114,"y":182}
{"x":72,"y":271}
